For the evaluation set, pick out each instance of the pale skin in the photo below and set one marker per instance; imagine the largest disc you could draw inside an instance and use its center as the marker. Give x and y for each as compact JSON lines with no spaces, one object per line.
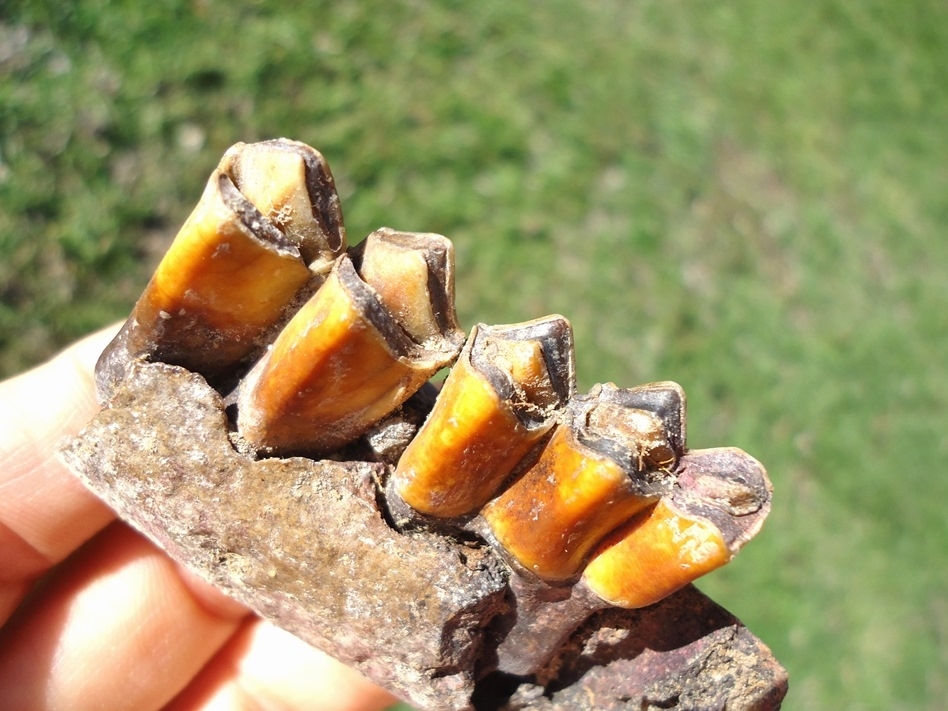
{"x":93,"y":616}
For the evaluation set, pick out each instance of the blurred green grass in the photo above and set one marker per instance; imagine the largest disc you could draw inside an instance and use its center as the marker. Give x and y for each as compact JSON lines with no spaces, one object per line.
{"x":749,"y":198}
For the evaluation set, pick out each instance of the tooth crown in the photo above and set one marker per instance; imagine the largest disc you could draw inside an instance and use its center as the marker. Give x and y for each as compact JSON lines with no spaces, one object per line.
{"x":597,"y":471}
{"x":499,"y":400}
{"x":719,"y":503}
{"x":290,"y":184}
{"x":654,"y":555}
{"x":229,"y":260}
{"x":236,"y":267}
{"x":451,"y":444}
{"x":413,"y":276}
{"x":345,"y":360}
{"x":274,"y":415}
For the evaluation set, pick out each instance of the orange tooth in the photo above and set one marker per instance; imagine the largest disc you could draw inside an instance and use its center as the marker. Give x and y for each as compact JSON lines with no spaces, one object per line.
{"x":231,"y":274}
{"x":721,"y":500}
{"x":609,"y":462}
{"x":413,"y":275}
{"x":654,"y":555}
{"x":498,"y":401}
{"x":344,"y":362}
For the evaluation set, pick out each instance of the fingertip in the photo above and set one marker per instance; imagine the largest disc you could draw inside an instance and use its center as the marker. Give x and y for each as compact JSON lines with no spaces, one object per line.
{"x":45,"y":512}
{"x":115,"y":627}
{"x":263,"y":666}
{"x":212,"y":600}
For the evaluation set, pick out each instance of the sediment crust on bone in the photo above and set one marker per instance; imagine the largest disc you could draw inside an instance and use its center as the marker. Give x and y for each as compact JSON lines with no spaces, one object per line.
{"x":307,"y":545}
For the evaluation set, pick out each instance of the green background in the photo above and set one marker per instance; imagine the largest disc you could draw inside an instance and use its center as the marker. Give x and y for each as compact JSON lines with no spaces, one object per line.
{"x":747,"y":197}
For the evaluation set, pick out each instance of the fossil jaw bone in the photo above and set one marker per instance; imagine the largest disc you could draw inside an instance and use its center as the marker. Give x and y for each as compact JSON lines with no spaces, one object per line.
{"x":234,"y":270}
{"x":607,"y":509}
{"x":499,"y":400}
{"x":345,"y":361}
{"x":609,"y":461}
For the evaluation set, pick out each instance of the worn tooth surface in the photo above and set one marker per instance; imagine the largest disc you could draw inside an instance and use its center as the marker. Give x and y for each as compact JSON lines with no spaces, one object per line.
{"x":609,"y":461}
{"x":500,"y":398}
{"x":232,"y":271}
{"x":345,"y":361}
{"x":721,"y":501}
{"x":665,"y":398}
{"x":290,"y":183}
{"x":413,"y":275}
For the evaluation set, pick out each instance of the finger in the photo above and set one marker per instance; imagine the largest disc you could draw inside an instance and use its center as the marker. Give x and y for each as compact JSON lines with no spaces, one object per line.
{"x":115,"y":627}
{"x":263,"y":666}
{"x":45,"y":513}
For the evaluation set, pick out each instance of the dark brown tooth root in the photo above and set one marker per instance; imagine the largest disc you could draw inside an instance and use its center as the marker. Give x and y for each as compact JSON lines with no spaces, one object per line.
{"x":344,"y":361}
{"x":499,"y":400}
{"x":721,"y":501}
{"x":232,"y":272}
{"x":609,"y":461}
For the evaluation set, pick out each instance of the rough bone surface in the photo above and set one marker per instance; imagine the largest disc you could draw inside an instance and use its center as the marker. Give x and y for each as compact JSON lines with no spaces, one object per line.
{"x":306,"y":544}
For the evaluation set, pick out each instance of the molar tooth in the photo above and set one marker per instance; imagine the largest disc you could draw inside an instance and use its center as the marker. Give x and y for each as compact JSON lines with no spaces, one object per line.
{"x":345,"y":361}
{"x":499,"y":400}
{"x":718,"y":503}
{"x":666,"y":399}
{"x":608,"y":462}
{"x":231,"y":274}
{"x":413,"y":275}
{"x":290,"y":183}
{"x":652,"y":556}
{"x":722,"y":500}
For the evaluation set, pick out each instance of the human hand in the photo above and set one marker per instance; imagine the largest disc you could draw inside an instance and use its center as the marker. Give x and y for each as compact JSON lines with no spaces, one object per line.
{"x":113,"y":622}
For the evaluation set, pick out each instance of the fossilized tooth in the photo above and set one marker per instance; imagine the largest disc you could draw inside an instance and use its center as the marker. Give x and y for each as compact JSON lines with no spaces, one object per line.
{"x":413,"y":275}
{"x":500,"y":398}
{"x":720,"y":502}
{"x":232,"y":273}
{"x":609,"y":461}
{"x":290,"y":184}
{"x":345,"y":361}
{"x":665,"y":398}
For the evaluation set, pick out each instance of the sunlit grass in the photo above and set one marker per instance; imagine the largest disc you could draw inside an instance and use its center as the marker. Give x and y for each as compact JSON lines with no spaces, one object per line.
{"x":746,"y":197}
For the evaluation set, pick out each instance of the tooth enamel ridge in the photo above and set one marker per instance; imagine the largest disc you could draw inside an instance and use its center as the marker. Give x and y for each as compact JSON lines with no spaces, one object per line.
{"x":494,"y":351}
{"x":309,"y":213}
{"x":325,"y":352}
{"x":258,"y":226}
